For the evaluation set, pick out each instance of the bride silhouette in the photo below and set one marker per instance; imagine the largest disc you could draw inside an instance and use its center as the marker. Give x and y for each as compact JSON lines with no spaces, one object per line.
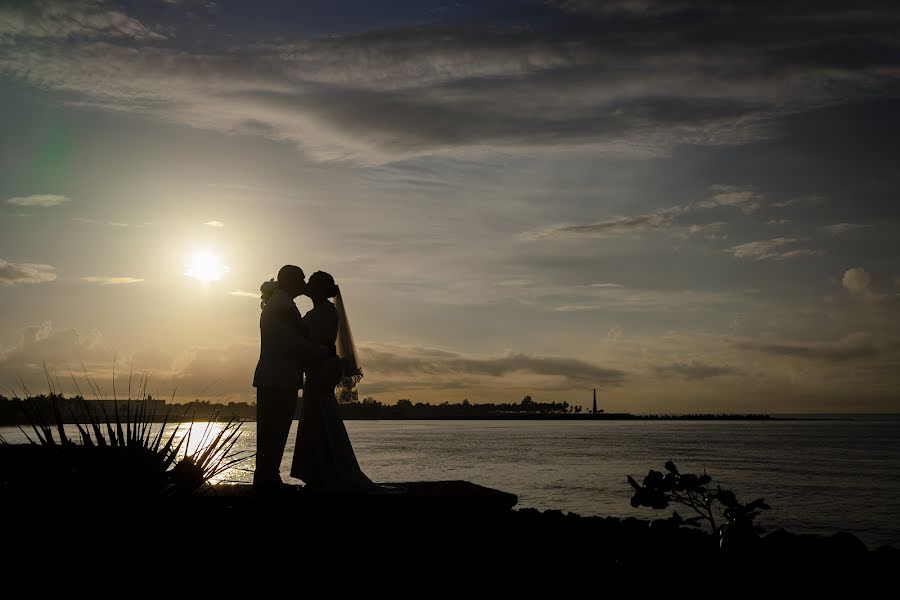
{"x":323,"y":455}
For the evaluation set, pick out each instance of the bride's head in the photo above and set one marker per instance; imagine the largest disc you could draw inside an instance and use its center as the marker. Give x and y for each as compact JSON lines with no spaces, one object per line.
{"x":321,"y":286}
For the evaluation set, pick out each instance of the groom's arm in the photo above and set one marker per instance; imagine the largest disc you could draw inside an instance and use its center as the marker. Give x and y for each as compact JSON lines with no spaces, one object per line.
{"x":289,"y":336}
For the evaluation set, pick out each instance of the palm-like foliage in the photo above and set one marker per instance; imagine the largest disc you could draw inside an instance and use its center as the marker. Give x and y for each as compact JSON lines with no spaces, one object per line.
{"x":213,"y":455}
{"x":119,"y":454}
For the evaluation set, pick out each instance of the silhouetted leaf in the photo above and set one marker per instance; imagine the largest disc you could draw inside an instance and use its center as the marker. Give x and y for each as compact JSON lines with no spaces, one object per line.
{"x":694,"y":521}
{"x":727,"y":498}
{"x":654,"y":479}
{"x":671,"y":468}
{"x":659,"y":501}
{"x":759,"y":503}
{"x":688,"y":481}
{"x":670,"y":481}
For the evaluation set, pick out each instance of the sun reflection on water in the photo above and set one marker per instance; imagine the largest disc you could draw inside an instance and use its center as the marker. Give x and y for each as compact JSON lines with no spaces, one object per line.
{"x":198,"y":438}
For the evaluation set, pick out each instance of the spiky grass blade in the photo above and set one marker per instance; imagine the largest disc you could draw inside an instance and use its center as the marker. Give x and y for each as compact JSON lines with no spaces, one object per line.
{"x":57,"y":414}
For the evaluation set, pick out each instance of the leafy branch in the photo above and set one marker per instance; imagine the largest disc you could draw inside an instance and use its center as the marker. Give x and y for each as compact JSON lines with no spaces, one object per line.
{"x":697,"y":493}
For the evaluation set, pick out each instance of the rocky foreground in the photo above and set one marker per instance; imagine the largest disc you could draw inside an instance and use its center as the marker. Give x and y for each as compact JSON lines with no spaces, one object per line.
{"x":444,"y":532}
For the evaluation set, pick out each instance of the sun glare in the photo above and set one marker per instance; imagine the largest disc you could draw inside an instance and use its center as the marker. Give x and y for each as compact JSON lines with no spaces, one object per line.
{"x":205,"y":266}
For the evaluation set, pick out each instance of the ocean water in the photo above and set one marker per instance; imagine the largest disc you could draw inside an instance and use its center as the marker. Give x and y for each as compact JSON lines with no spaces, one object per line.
{"x":819,"y":476}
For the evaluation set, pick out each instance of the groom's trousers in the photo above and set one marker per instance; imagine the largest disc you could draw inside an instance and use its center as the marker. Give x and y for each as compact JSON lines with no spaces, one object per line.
{"x":274,"y":412}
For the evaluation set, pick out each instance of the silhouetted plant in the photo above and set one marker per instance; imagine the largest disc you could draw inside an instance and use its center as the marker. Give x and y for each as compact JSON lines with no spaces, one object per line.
{"x":213,"y":455}
{"x":697,"y":493}
{"x":127,"y":454}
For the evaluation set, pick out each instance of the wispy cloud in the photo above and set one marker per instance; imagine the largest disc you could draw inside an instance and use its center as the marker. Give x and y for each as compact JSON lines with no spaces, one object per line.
{"x":799,"y":200}
{"x":773,"y":249}
{"x":799,"y":253}
{"x":105,"y":280}
{"x":655,"y":221}
{"x":840,"y":228}
{"x":435,"y":88}
{"x":18,"y":273}
{"x":45,"y":343}
{"x":695,"y":370}
{"x":215,"y":224}
{"x":622,"y":299}
{"x":717,"y":230}
{"x":243,"y":294}
{"x":852,"y":347}
{"x":424,"y":364}
{"x":580,"y":307}
{"x":42,"y":200}
{"x":676,"y":220}
{"x":747,"y":201}
{"x":671,"y":219}
{"x":395,"y":368}
{"x":59,"y":19}
{"x":514,"y":282}
{"x":96,"y":222}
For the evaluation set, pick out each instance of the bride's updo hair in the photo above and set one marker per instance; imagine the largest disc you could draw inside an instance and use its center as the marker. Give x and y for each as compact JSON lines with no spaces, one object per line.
{"x":321,"y":284}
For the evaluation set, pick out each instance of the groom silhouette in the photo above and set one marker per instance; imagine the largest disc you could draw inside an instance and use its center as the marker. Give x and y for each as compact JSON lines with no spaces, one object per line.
{"x":283,"y":353}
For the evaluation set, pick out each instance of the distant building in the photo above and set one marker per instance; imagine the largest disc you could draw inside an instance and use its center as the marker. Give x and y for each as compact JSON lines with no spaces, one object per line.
{"x":595,"y":410}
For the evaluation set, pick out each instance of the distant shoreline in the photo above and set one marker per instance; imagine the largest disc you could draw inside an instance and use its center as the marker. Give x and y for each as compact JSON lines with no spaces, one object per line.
{"x":509,"y":417}
{"x":604,"y":417}
{"x":73,"y":410}
{"x":570,"y":417}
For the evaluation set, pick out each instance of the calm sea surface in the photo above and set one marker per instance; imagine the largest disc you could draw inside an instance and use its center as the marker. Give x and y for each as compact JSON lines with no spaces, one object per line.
{"x":819,"y":476}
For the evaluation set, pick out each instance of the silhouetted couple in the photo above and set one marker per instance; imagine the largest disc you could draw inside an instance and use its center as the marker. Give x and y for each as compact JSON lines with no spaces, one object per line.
{"x":321,"y":346}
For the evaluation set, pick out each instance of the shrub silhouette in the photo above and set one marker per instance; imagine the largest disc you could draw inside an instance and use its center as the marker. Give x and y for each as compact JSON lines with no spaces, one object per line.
{"x":697,"y":493}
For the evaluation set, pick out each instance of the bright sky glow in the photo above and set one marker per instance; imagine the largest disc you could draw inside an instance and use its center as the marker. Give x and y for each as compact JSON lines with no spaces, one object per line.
{"x":205,"y":266}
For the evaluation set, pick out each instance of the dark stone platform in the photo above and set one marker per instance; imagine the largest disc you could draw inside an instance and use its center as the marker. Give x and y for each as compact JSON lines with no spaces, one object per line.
{"x":456,"y":496}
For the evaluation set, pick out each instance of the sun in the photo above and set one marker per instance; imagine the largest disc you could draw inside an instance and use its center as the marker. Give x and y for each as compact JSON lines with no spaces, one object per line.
{"x":205,"y":266}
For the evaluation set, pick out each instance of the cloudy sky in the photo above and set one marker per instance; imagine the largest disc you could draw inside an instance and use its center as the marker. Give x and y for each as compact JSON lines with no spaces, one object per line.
{"x":688,"y":206}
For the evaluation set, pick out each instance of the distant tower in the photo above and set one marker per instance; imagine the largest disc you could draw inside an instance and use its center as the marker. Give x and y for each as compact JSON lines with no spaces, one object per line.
{"x":595,"y":402}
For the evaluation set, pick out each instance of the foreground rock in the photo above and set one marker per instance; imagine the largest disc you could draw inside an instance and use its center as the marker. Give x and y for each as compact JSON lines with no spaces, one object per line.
{"x":452,"y":529}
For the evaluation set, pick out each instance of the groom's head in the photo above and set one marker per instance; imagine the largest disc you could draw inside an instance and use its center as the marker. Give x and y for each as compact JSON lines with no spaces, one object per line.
{"x":291,"y":280}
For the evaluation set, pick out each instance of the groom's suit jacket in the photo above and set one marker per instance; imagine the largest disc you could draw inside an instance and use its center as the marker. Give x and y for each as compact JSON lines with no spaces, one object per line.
{"x":284,"y":352}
